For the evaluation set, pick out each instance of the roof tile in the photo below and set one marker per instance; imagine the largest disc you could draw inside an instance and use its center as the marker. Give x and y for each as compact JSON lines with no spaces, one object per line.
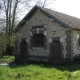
{"x":73,"y":22}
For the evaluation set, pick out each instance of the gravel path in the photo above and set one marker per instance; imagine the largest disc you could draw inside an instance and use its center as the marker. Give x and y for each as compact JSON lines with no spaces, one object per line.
{"x":4,"y":64}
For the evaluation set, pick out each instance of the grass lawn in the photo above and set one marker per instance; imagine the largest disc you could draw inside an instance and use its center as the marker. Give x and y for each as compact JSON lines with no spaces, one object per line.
{"x":7,"y":59}
{"x":40,"y":71}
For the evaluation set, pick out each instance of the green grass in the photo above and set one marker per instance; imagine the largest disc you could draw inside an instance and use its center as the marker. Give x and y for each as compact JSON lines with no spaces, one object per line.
{"x":32,"y":72}
{"x":40,"y":71}
{"x":7,"y":59}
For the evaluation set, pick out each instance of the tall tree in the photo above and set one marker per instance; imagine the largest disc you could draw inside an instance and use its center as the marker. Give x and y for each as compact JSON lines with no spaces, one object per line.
{"x":11,"y":8}
{"x":10,"y":14}
{"x":10,"y":11}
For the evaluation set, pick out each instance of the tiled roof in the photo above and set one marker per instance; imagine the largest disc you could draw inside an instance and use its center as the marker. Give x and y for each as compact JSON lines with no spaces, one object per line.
{"x":65,"y":20}
{"x":71,"y":21}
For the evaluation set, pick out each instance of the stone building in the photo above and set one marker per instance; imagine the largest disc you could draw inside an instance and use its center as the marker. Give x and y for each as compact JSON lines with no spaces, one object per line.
{"x":48,"y":36}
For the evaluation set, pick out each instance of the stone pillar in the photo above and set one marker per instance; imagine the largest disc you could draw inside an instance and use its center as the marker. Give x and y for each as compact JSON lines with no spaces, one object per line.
{"x":17,"y":50}
{"x":69,"y":46}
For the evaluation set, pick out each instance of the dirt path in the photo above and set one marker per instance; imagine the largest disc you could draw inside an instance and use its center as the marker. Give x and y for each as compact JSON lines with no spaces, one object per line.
{"x":4,"y":64}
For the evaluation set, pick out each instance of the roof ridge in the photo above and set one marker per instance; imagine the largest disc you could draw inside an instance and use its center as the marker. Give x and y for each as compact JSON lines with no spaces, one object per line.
{"x":60,"y":12}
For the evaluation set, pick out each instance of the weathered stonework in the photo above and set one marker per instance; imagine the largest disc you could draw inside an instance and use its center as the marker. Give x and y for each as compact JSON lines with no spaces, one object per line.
{"x":69,"y":46}
{"x":52,"y":55}
{"x":76,"y":47}
{"x":53,"y":29}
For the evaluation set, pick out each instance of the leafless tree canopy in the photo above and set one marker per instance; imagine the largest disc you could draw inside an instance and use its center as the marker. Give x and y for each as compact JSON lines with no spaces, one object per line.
{"x":11,"y":8}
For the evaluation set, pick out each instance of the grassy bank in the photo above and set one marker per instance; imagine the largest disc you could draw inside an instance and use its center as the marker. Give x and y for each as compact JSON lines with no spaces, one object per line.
{"x":6,"y":59}
{"x":39,"y":71}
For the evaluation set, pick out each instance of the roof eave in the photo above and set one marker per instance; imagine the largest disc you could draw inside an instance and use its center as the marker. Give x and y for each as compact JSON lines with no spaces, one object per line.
{"x":76,"y":29}
{"x":45,"y":12}
{"x":53,"y":17}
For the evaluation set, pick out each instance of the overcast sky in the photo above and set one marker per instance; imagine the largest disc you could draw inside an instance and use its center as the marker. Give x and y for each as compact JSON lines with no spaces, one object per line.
{"x":71,"y":7}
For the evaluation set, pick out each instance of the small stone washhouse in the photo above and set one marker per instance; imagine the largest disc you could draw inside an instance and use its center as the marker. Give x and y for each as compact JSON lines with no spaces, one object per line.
{"x":48,"y":36}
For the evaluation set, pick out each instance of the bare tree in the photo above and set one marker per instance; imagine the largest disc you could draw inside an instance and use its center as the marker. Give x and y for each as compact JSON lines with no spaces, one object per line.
{"x":43,"y":3}
{"x":10,"y":13}
{"x":11,"y":8}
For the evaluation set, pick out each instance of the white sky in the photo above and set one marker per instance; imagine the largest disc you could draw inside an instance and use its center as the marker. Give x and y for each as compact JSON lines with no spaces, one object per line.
{"x":71,"y":7}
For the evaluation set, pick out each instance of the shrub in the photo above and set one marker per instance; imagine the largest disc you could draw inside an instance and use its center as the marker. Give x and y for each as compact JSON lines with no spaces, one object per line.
{"x":77,"y":57}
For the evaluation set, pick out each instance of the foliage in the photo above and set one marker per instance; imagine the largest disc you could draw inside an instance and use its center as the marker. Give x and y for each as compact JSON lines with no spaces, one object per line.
{"x":3,"y":42}
{"x":31,"y":72}
{"x":77,"y":57}
{"x":7,"y":59}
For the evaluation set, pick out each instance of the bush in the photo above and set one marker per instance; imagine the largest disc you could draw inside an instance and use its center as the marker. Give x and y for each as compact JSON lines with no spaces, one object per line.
{"x":7,"y":45}
{"x":7,"y":59}
{"x":77,"y":57}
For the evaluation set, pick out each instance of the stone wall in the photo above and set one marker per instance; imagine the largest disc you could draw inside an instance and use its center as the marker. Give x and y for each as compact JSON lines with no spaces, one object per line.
{"x":76,"y":46}
{"x":53,"y":29}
